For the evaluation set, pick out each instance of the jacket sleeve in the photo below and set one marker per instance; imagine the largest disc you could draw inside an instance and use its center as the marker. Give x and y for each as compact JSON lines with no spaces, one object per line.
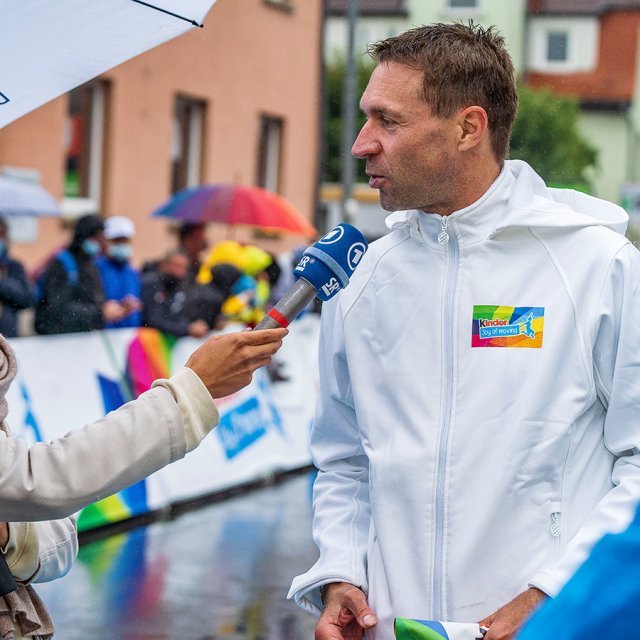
{"x":342,"y":512}
{"x":616,"y":362}
{"x":41,"y":551}
{"x":15,"y":289}
{"x":58,"y":548}
{"x":53,"y":480}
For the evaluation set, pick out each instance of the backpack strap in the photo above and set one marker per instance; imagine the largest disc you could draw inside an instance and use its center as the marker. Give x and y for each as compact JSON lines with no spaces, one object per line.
{"x":70,"y":266}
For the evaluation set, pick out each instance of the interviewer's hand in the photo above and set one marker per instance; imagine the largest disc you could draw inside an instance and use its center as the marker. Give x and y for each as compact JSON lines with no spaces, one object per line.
{"x":346,"y":613}
{"x":507,"y":620}
{"x":225,"y":363}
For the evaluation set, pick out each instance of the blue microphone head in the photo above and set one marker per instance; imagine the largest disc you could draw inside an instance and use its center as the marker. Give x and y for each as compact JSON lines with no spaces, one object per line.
{"x":329,"y":263}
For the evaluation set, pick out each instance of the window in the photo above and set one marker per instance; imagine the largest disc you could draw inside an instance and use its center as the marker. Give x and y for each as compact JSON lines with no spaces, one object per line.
{"x":187,"y":143}
{"x":463,"y":4}
{"x":271,"y":130}
{"x":284,"y":5}
{"x":557,"y":46}
{"x":85,"y":142}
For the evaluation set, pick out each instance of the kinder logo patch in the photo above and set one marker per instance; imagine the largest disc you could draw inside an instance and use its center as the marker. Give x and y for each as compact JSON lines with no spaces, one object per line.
{"x":515,"y":327}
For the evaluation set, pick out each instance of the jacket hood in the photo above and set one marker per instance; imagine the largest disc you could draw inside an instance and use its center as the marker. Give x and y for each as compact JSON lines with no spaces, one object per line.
{"x":533,"y":204}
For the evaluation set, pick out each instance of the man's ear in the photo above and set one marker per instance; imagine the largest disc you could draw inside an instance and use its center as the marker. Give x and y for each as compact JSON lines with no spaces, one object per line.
{"x":473,"y":125}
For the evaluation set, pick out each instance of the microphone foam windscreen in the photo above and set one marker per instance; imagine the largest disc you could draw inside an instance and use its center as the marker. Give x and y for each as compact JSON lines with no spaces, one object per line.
{"x":329,"y":263}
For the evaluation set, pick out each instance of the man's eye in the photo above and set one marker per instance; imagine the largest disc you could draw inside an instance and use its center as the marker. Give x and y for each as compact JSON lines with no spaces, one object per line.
{"x":386,"y":122}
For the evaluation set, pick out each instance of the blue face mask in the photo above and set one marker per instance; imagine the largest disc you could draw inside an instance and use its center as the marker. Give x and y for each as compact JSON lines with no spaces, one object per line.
{"x":91,"y":247}
{"x":119,"y":252}
{"x":3,"y":248}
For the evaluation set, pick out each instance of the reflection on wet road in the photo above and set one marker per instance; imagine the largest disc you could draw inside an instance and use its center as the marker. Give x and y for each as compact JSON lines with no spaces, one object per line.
{"x":221,"y":572}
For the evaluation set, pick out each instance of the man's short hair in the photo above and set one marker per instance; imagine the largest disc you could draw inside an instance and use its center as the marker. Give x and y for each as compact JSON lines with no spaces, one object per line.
{"x":462,"y":65}
{"x":187,"y":228}
{"x":174,"y":251}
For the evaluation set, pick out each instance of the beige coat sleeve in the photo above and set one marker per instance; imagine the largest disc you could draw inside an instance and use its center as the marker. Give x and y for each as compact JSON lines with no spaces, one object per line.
{"x":53,"y":480}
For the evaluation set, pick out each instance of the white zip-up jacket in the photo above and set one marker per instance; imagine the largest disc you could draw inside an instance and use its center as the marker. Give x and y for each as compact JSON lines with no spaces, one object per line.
{"x":479,"y":415}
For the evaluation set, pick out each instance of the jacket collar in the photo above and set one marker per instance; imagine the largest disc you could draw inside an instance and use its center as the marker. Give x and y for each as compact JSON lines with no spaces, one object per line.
{"x":517,"y":199}
{"x":469,"y":225}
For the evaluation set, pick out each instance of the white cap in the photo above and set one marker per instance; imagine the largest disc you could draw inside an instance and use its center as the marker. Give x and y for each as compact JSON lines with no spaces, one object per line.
{"x":118,"y":227}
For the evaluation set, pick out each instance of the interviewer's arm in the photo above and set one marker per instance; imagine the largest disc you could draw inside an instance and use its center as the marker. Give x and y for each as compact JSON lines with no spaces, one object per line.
{"x":51,"y":480}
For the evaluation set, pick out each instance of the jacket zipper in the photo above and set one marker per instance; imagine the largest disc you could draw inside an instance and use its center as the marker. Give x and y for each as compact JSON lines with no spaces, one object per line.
{"x":445,"y":238}
{"x":555,"y":526}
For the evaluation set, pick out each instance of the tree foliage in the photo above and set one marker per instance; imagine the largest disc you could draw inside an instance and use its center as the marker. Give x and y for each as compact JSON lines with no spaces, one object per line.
{"x":545,"y":134}
{"x":335,"y":92}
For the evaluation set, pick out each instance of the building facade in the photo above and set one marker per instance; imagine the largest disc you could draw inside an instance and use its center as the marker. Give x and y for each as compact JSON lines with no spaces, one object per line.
{"x":588,"y":49}
{"x":377,"y":20}
{"x":509,"y":17}
{"x":237,"y":101}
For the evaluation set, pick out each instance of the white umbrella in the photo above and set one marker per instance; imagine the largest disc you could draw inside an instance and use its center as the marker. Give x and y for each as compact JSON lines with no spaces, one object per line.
{"x":21,"y":198}
{"x":48,"y":47}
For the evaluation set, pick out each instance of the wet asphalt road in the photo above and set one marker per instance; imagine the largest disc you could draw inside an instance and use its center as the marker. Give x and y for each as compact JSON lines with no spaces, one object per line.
{"x":219,"y":572}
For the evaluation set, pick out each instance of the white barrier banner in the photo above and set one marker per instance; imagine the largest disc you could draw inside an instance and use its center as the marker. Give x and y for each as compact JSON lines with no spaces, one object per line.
{"x":67,"y":381}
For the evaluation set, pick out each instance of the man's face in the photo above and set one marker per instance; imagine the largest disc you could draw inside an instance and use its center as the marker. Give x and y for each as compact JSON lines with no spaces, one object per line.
{"x":411,"y":155}
{"x":177,"y":266}
{"x":196,"y":242}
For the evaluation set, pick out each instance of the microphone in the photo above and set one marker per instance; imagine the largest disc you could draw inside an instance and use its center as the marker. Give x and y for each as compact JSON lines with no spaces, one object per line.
{"x":324,"y":269}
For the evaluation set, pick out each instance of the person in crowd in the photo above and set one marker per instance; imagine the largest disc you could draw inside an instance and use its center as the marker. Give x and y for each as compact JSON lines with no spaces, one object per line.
{"x":164,"y":296}
{"x":120,"y":281}
{"x":478,"y":427}
{"x":276,"y":278}
{"x":206,"y":301}
{"x":192,"y":240}
{"x":16,"y":292}
{"x":249,"y":294}
{"x":70,"y":295}
{"x":34,"y":552}
{"x":228,"y":252}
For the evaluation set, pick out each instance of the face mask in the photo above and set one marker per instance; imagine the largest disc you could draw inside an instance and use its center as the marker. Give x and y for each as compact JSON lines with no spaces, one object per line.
{"x":119,"y":252}
{"x":3,"y":248}
{"x":91,"y":247}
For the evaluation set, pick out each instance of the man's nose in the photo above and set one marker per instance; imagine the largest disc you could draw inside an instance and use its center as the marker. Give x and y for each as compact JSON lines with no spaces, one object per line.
{"x":365,"y":144}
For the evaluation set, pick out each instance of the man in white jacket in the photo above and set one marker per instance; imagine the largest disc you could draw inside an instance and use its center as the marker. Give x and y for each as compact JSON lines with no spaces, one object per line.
{"x":479,"y":415}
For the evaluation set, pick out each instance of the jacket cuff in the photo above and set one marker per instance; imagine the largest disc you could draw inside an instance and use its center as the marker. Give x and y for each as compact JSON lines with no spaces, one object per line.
{"x":547,"y":582}
{"x":23,"y":550}
{"x":305,"y":589}
{"x":197,"y":408}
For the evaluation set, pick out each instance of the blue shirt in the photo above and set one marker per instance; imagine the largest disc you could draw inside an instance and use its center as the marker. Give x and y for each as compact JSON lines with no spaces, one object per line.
{"x":119,"y":280}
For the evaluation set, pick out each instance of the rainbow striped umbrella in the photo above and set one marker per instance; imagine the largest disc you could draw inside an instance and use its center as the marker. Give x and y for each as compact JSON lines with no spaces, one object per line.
{"x":235,"y":204}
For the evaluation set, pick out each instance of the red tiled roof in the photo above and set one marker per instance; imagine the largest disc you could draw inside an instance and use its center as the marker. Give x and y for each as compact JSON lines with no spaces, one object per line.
{"x":613,"y":78}
{"x":580,"y":6}
{"x":369,"y":7}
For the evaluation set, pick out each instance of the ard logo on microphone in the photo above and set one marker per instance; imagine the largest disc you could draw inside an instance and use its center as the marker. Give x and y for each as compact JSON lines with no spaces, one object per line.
{"x":355,"y":253}
{"x":335,"y":235}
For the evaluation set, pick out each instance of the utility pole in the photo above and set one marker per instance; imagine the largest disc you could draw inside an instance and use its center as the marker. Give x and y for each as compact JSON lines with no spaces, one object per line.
{"x":349,"y":112}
